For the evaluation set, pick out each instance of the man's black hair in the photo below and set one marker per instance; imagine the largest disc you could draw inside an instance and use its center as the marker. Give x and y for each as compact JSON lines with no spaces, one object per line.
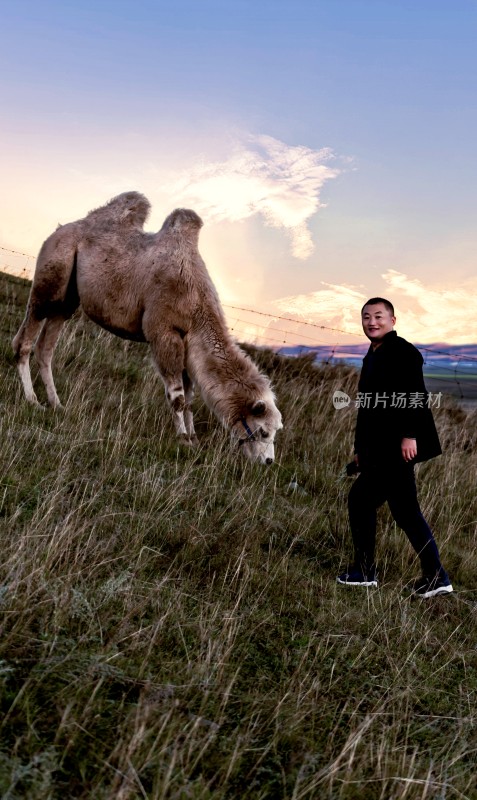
{"x":374,"y":300}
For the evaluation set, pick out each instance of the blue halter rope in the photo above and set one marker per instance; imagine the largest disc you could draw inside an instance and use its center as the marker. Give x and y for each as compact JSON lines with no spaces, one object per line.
{"x":250,"y":434}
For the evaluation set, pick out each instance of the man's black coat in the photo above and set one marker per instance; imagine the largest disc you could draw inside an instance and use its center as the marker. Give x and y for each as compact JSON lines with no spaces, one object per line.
{"x":393,"y":405}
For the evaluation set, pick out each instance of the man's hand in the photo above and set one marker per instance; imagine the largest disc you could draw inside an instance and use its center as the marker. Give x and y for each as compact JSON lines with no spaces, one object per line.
{"x":408,"y":449}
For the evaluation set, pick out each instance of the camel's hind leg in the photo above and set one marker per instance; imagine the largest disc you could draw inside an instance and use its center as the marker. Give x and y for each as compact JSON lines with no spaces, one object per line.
{"x":44,"y":350}
{"x":22,"y":346}
{"x":169,"y":355}
{"x":53,"y":295}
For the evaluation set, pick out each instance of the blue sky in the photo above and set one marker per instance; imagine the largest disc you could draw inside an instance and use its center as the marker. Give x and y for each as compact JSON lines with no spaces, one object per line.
{"x":329,"y":146}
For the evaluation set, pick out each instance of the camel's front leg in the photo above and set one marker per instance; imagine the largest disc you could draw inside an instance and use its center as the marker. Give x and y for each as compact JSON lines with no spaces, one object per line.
{"x":169,"y":356}
{"x":188,"y":415}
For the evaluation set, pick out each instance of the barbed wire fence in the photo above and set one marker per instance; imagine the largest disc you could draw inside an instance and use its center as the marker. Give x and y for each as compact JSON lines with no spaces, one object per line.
{"x":289,"y":336}
{"x":15,"y":263}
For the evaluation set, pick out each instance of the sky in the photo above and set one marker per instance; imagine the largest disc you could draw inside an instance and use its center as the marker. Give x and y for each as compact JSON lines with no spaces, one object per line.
{"x":329,"y":145}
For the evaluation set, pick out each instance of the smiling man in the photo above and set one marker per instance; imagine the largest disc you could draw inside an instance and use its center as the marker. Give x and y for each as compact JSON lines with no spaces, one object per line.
{"x":395,"y":429}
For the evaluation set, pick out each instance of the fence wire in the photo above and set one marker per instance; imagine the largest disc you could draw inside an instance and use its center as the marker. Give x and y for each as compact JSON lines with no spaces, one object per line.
{"x":454,"y":369}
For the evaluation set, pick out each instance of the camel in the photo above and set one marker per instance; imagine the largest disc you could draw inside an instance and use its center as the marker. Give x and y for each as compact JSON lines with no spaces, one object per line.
{"x":154,"y":288}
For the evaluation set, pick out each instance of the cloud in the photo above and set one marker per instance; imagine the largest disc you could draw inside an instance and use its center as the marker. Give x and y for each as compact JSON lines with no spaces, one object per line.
{"x":306,"y":319}
{"x":262,"y":176}
{"x":424,"y":313}
{"x":337,"y":306}
{"x":434,"y":313}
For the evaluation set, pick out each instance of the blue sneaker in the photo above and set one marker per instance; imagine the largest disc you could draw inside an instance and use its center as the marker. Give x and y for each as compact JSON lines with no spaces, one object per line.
{"x":430,"y":586}
{"x":355,"y":577}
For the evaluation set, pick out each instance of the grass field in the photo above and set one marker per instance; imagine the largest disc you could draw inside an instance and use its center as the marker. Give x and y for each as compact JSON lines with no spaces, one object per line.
{"x":170,"y":622}
{"x":463,"y":387}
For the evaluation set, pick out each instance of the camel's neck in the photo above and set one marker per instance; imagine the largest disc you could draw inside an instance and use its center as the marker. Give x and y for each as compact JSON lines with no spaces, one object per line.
{"x":226,"y":377}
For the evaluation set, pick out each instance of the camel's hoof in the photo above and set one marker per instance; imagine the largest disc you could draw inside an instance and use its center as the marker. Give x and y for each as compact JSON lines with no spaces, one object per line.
{"x":39,"y":406}
{"x":188,"y":441}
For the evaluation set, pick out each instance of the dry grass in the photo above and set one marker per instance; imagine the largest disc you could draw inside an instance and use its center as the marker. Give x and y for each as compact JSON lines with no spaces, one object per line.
{"x":170,"y":622}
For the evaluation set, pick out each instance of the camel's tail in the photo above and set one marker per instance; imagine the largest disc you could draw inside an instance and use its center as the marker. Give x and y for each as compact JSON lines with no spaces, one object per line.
{"x":54,"y":289}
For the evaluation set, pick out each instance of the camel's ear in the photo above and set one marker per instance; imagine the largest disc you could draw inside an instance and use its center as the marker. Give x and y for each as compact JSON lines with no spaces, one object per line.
{"x":258,"y":409}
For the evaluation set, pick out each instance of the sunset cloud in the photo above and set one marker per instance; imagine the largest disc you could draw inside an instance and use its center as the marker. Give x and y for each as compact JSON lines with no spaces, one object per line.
{"x":262,"y":176}
{"x":434,"y":313}
{"x":339,"y":305}
{"x":424,"y":313}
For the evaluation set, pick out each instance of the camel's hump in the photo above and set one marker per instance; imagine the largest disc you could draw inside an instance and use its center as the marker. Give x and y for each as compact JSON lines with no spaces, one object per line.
{"x":182,"y":218}
{"x":131,"y":208}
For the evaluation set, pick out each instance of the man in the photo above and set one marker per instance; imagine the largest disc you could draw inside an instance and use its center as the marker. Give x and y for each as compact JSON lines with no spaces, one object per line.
{"x":395,"y":429}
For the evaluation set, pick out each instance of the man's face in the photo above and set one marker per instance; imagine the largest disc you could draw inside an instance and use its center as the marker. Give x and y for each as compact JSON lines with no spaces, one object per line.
{"x":377,"y":321}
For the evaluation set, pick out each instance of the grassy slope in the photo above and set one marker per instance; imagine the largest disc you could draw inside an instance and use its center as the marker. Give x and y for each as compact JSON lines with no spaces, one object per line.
{"x":170,"y":622}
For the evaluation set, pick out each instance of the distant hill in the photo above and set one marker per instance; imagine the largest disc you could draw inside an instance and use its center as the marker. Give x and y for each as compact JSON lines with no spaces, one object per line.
{"x":451,"y":369}
{"x":438,"y":354}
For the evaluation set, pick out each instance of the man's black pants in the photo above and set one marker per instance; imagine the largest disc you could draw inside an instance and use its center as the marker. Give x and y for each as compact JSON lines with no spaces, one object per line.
{"x":396,"y":484}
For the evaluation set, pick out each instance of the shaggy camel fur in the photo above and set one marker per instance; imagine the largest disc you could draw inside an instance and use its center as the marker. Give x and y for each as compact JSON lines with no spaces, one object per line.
{"x":155,"y":288}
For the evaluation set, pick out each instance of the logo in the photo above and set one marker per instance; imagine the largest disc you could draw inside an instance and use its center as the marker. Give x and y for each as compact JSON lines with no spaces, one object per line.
{"x":341,"y":399}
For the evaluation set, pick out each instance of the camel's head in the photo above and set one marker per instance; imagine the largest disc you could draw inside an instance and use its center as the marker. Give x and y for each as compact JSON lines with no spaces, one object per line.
{"x":256,"y":428}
